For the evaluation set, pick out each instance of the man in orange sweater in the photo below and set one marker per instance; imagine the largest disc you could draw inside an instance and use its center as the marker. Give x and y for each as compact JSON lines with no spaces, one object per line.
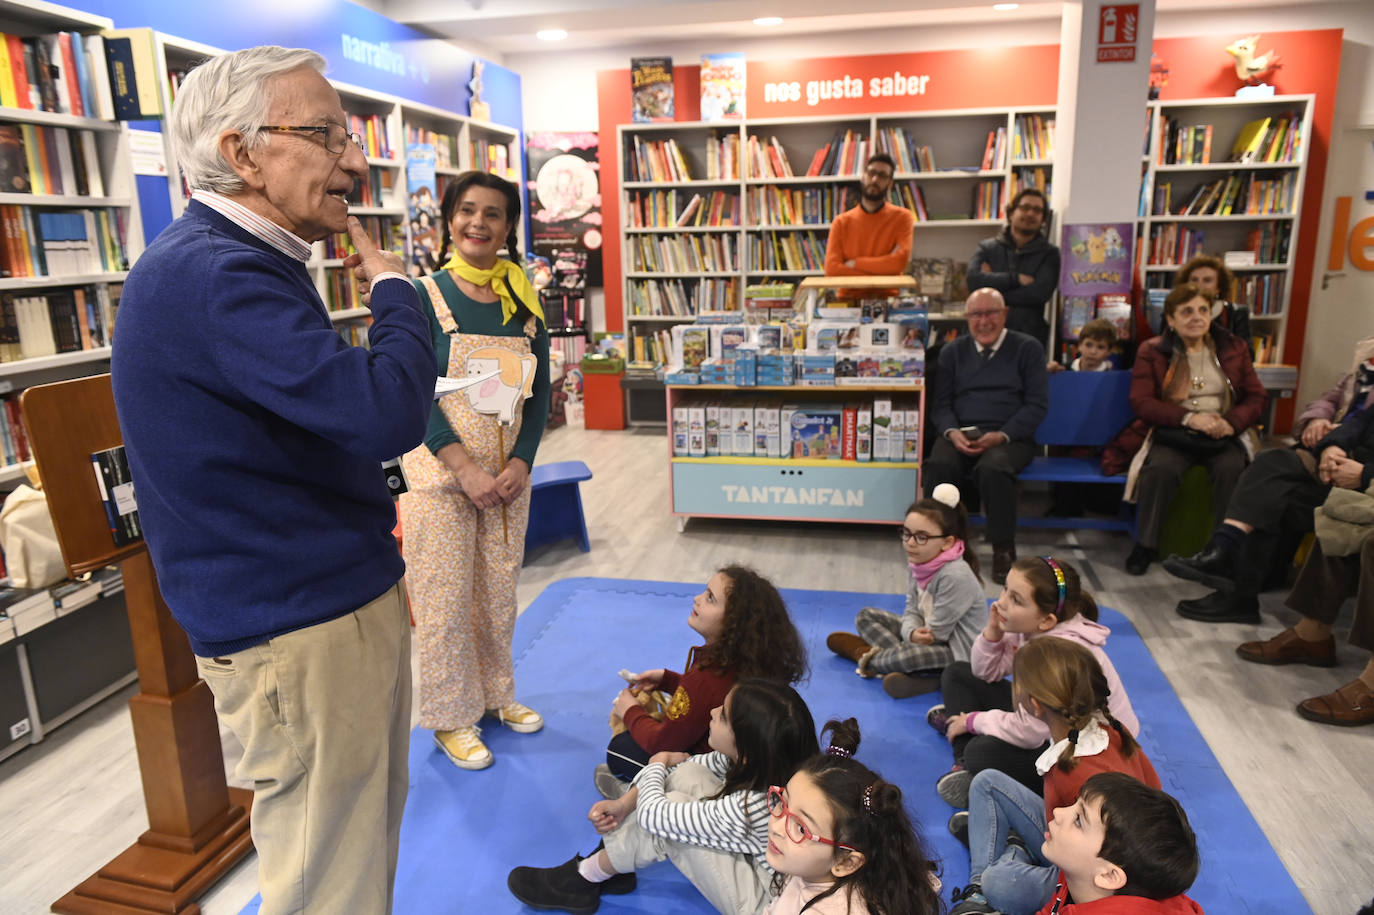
{"x":873,"y":238}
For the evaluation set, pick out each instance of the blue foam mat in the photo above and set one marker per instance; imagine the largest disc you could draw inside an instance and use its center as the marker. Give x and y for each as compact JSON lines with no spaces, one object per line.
{"x":463,"y":831}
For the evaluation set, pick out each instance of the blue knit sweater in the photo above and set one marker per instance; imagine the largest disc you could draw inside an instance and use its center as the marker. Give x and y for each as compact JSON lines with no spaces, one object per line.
{"x":254,"y":432}
{"x":1009,"y":393}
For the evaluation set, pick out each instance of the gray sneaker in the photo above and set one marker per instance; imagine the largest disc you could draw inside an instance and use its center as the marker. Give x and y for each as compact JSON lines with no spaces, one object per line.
{"x":607,"y":785}
{"x":953,"y":787}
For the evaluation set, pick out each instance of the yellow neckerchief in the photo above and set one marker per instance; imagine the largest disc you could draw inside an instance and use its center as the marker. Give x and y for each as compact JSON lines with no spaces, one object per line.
{"x":502,"y":278}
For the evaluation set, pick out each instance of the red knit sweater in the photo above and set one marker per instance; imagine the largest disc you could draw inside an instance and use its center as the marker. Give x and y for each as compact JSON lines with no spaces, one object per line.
{"x":684,"y":727}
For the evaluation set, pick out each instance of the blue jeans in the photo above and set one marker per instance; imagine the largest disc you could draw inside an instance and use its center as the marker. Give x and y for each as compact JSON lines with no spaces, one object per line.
{"x":1014,"y":882}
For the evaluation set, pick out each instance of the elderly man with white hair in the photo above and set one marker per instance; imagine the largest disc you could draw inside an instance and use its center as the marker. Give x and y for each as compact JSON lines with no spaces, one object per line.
{"x":254,"y":434}
{"x":990,"y":394}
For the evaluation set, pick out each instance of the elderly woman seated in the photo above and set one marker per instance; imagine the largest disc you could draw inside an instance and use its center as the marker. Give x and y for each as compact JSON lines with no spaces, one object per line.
{"x":1195,"y":396}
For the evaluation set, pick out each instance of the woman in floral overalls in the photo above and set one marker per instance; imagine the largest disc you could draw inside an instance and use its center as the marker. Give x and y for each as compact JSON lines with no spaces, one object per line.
{"x":468,"y":505}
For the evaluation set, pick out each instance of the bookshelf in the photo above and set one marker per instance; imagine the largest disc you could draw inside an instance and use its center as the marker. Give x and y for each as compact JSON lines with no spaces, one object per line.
{"x":74,"y":228}
{"x":956,"y":169}
{"x":388,"y":125}
{"x":1193,"y":199}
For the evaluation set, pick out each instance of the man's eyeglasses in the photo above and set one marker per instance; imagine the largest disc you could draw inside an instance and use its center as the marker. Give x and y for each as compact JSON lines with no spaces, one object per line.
{"x":921,"y":537}
{"x":336,"y":136}
{"x":1030,"y":208}
{"x":792,"y":825}
{"x":980,"y":315}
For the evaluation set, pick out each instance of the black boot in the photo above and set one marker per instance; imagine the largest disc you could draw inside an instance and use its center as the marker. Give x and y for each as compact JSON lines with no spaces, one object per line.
{"x":1218,"y":607}
{"x":1138,"y":562}
{"x":562,"y":888}
{"x":1214,"y":567}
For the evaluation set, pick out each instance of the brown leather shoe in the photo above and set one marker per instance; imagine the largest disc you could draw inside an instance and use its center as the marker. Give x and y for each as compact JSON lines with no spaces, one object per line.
{"x":1288,"y":648}
{"x":847,"y":645}
{"x":1350,"y":706}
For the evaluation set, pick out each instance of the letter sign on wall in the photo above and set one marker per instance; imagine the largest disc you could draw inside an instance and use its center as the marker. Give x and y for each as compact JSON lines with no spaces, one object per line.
{"x":1116,"y":32}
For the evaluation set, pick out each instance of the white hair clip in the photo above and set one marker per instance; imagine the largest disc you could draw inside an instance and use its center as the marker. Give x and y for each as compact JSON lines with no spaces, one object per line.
{"x":946,"y":494}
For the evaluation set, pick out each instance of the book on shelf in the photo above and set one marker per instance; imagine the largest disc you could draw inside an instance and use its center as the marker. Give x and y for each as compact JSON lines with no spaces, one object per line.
{"x":908,"y":194}
{"x":655,"y":160}
{"x":987,"y":199}
{"x":116,"y":487}
{"x":13,"y":436}
{"x":800,"y":251}
{"x":131,"y":56}
{"x":722,"y":86}
{"x":14,"y":166}
{"x":694,"y":253}
{"x":722,"y":157}
{"x":795,"y":206}
{"x":1033,"y":137}
{"x":651,"y":89}
{"x":445,"y":145}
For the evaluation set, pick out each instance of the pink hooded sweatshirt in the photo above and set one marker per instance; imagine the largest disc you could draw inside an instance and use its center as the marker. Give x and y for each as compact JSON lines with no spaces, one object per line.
{"x":992,"y":661}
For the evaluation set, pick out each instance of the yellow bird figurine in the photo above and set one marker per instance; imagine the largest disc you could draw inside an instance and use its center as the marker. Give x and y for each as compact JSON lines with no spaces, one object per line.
{"x":1249,"y":67}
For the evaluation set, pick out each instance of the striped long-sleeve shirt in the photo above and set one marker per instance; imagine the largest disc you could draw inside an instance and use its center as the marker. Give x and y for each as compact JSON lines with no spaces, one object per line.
{"x":737,"y":822}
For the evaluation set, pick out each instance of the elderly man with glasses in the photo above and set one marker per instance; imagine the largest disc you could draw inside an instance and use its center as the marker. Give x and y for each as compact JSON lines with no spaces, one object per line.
{"x":254,"y":434}
{"x":1020,"y":263}
{"x":990,"y":394}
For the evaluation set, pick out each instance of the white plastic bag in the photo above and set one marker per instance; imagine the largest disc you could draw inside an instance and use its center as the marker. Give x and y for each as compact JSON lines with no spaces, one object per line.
{"x":32,"y":555}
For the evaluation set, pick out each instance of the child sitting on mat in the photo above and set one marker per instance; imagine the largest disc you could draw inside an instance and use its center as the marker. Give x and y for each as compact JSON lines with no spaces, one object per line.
{"x":841,"y":841}
{"x":708,"y":814}
{"x":1063,"y":686}
{"x":945,"y":604}
{"x":1043,"y":596}
{"x":1123,"y":849}
{"x":748,"y":633}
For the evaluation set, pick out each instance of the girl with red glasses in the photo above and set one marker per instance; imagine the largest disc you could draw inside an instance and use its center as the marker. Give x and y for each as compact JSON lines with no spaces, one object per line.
{"x":841,"y":842}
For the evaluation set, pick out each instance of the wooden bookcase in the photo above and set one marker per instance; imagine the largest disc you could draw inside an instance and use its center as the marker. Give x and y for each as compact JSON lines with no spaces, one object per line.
{"x":120,"y":197}
{"x":1224,"y":119}
{"x":758,"y":230}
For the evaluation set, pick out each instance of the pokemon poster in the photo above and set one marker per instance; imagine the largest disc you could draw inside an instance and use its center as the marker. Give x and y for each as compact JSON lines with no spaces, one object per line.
{"x":1096,"y":262}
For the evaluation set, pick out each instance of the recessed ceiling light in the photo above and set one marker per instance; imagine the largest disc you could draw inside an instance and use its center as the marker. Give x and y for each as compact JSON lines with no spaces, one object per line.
{"x":550,"y":34}
{"x":768,"y":21}
{"x":1003,"y":7}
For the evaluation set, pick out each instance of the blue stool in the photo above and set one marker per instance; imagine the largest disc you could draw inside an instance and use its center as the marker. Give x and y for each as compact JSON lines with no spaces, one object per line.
{"x":556,"y":504}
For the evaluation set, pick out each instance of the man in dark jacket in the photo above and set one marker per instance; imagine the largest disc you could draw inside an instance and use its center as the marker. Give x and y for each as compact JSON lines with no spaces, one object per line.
{"x":990,"y":396}
{"x":1020,"y":263}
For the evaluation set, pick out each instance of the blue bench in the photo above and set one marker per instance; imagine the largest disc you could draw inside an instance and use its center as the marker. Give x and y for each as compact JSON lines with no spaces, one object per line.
{"x":556,"y":505}
{"x":1087,"y":410}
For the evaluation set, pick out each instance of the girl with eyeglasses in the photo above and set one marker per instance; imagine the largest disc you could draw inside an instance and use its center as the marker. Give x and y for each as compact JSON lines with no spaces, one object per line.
{"x":708,"y":814}
{"x":841,"y":842}
{"x":945,"y":604}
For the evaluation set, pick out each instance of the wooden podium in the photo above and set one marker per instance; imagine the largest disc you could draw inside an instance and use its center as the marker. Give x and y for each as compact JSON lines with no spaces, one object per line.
{"x":198,"y":825}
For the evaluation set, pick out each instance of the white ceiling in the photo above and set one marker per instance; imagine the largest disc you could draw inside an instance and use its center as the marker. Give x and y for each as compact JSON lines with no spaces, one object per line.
{"x":509,"y":26}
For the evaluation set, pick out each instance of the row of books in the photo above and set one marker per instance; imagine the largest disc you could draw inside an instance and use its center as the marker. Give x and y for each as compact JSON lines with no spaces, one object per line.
{"x":445,"y":145}
{"x":768,"y":159}
{"x":1270,"y":242}
{"x":1037,"y":177}
{"x":42,"y":242}
{"x":908,"y":194}
{"x":787,"y":251}
{"x":1233,"y":194}
{"x":845,"y":154}
{"x":22,"y":610}
{"x":987,"y":200}
{"x":375,"y":191}
{"x":490,"y":156}
{"x":354,"y":333}
{"x":14,"y":440}
{"x":1033,"y":137}
{"x":49,"y":160}
{"x":995,"y":150}
{"x":910,"y":156}
{"x":722,"y":157}
{"x":1265,"y":349}
{"x":862,"y":430}
{"x":1185,"y":145}
{"x":65,"y":73}
{"x":666,"y":209}
{"x":676,"y":297}
{"x":385,"y":231}
{"x":1172,"y":244}
{"x":687,"y":253}
{"x":655,"y":160}
{"x":1263,"y":292}
{"x":372,"y":128}
{"x":65,"y":320}
{"x":781,"y":206}
{"x":1271,"y":139}
{"x":341,"y":291}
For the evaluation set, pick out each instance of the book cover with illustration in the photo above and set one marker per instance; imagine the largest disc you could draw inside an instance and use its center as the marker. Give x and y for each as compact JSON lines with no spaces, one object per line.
{"x":722,"y":87}
{"x":651,"y":87}
{"x":14,"y":167}
{"x":696,"y":342}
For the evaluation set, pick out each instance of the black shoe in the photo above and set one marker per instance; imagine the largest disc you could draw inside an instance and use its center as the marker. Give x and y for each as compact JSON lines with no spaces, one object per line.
{"x":1003,"y":555}
{"x":958,"y":826}
{"x":561,"y":888}
{"x":1214,"y":567}
{"x":1221,"y":608}
{"x":1138,"y":563}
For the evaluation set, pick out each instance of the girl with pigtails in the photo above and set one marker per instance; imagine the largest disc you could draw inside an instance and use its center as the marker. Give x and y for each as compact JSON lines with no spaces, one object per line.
{"x":840,"y":841}
{"x":1062,"y":685}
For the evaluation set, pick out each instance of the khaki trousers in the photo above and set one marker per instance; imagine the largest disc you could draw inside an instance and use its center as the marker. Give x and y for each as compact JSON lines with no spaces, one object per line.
{"x":323,"y":714}
{"x":730,"y":881}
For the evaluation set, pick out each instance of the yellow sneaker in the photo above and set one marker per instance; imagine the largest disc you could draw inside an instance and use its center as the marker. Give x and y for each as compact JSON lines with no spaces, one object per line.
{"x":464,"y":747}
{"x":517,"y":717}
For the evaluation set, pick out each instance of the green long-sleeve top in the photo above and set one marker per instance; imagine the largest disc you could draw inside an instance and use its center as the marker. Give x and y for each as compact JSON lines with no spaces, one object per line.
{"x":484,"y":318}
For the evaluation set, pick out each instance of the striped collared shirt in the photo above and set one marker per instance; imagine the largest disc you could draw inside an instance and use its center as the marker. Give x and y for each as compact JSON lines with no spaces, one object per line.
{"x":258,"y":226}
